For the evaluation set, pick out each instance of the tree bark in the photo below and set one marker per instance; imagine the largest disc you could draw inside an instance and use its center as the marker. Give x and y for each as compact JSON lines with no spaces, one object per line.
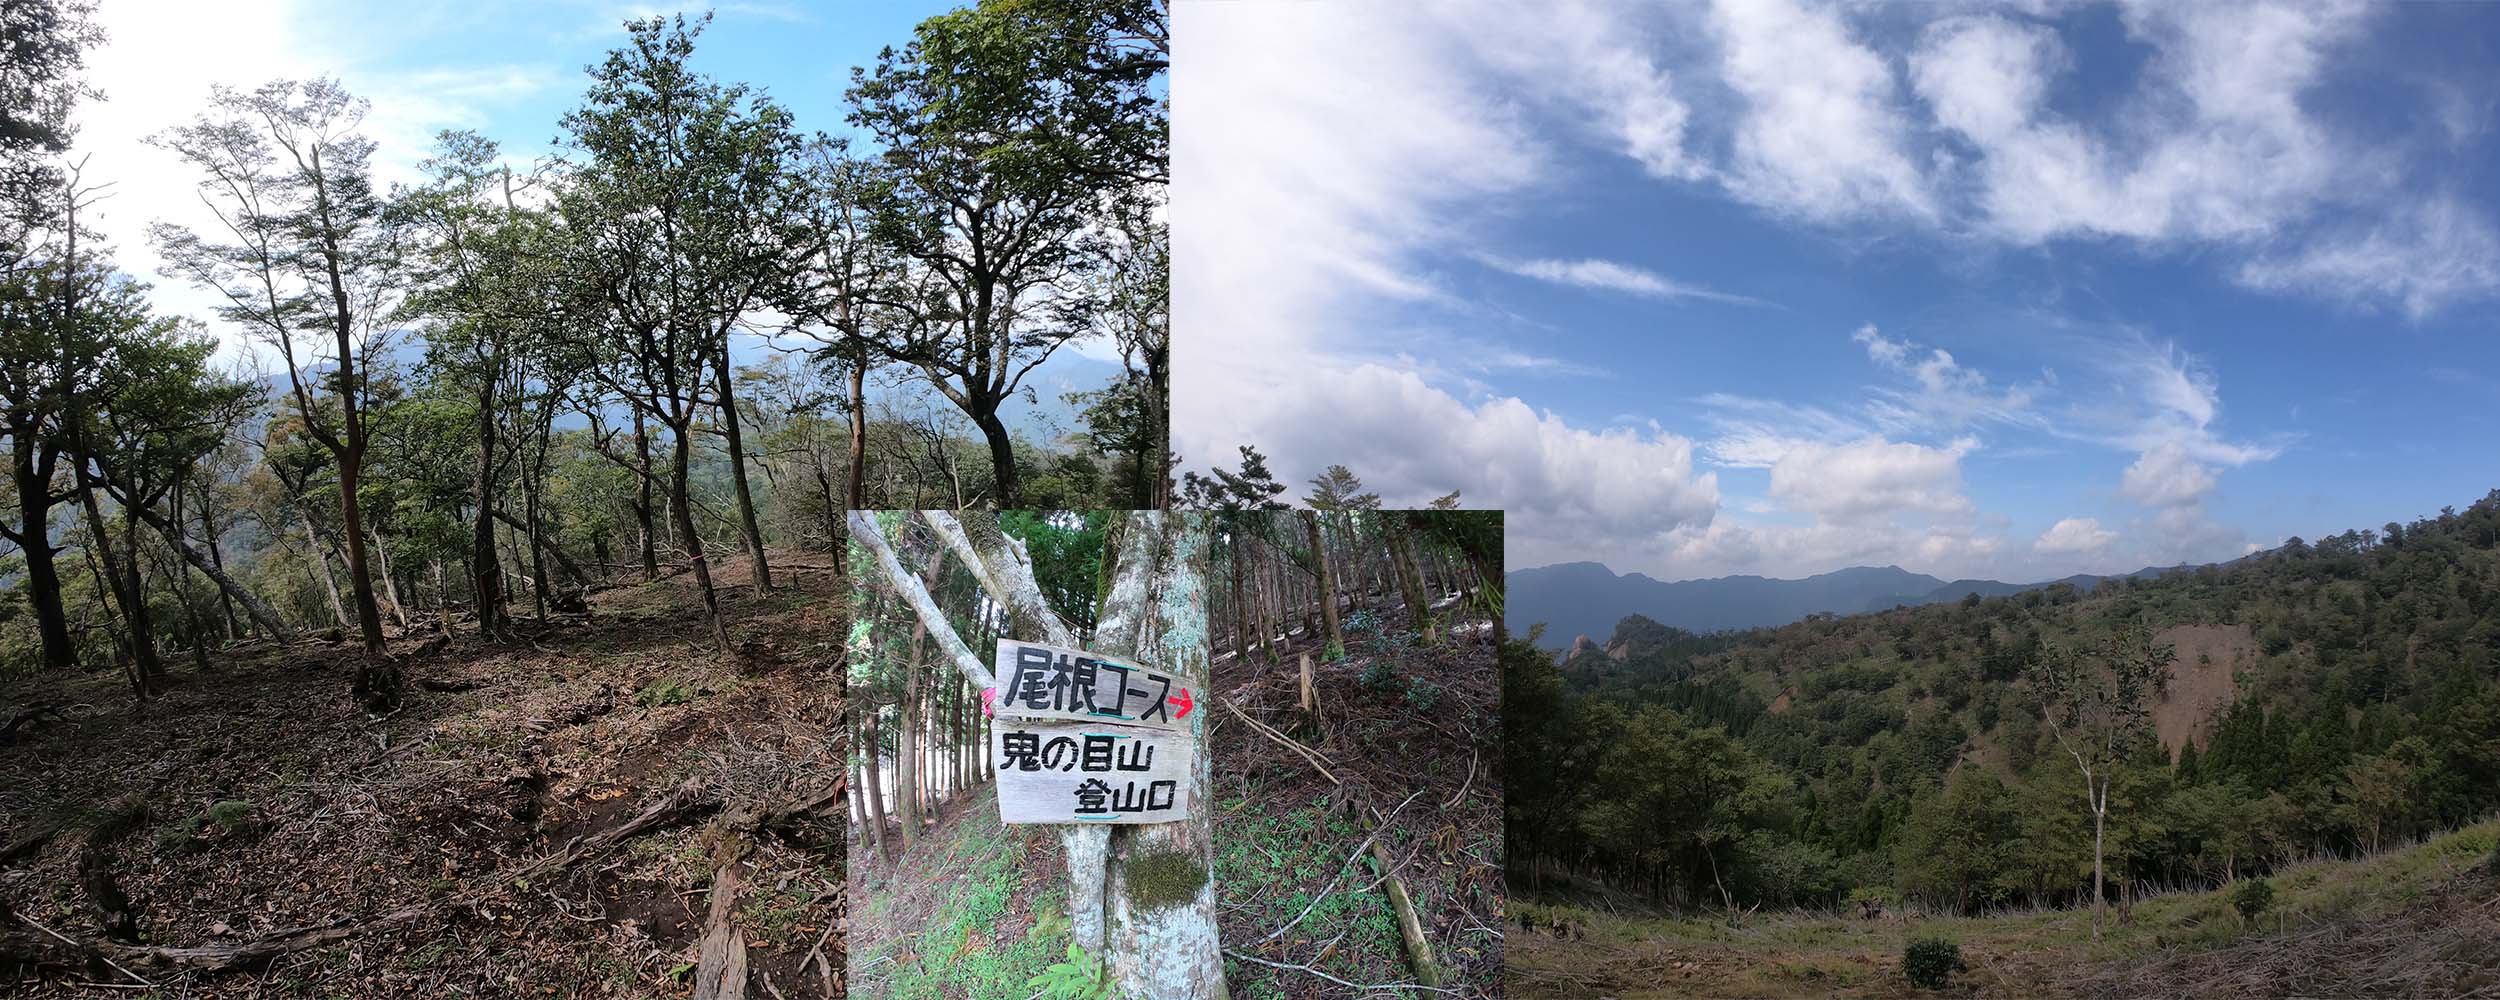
{"x":1002,"y":458}
{"x":32,"y":464}
{"x":1166,"y":950}
{"x":761,"y":574}
{"x":642,"y":507}
{"x":1327,"y":584}
{"x":681,"y":508}
{"x":1410,"y":580}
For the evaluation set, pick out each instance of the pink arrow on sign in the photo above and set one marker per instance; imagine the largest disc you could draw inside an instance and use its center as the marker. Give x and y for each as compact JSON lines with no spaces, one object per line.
{"x":987,"y":696}
{"x":1181,"y":699}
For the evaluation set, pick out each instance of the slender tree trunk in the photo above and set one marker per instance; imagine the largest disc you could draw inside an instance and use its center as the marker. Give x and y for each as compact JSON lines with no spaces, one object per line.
{"x":642,"y":506}
{"x":485,"y":571}
{"x":329,"y":581}
{"x":876,"y":782}
{"x":1410,"y":580}
{"x":1327,"y":583}
{"x":359,"y":575}
{"x":858,"y":484}
{"x":2100,"y":817}
{"x":390,"y":580}
{"x":762,"y":574}
{"x":681,"y":508}
{"x":215,"y":568}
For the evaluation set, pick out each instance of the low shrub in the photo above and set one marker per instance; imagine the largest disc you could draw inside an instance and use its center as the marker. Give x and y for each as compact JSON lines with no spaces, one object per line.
{"x":2252,"y":897}
{"x":1931,"y":962}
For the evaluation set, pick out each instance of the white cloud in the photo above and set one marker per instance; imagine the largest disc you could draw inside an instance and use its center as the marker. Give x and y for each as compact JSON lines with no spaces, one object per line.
{"x":1610,"y":276}
{"x":2167,"y":477}
{"x":1943,"y":394}
{"x":1411,"y":441}
{"x":2081,"y":536}
{"x":2438,"y":252}
{"x":1821,"y":135}
{"x":1872,"y":478}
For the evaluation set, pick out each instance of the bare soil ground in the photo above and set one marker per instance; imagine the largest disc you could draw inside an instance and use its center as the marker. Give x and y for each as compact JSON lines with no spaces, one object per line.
{"x":2203,"y":677}
{"x":1408,"y":731}
{"x":260,"y":797}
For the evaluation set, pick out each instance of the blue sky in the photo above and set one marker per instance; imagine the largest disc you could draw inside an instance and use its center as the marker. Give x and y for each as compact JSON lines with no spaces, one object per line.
{"x":1771,"y":287}
{"x":508,"y":71}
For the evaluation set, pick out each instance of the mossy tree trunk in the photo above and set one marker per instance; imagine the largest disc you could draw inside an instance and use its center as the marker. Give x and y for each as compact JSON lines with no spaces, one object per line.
{"x":1327,"y":584}
{"x":1162,"y":927}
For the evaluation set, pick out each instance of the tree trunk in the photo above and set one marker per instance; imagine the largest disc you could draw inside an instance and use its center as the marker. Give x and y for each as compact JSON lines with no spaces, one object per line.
{"x":1002,"y":457}
{"x":642,"y":507}
{"x":761,"y":574}
{"x":1163,"y":946}
{"x":215,"y":567}
{"x":359,"y":575}
{"x":1327,"y":584}
{"x":858,"y":484}
{"x":681,"y":508}
{"x":1410,"y":580}
{"x":876,"y":781}
{"x":485,"y":573}
{"x":32,"y":471}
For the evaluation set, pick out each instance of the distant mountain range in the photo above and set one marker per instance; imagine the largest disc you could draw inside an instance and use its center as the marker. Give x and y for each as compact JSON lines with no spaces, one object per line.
{"x":1586,"y":598}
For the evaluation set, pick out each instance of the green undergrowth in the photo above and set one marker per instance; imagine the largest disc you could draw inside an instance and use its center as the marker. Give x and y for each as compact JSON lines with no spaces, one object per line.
{"x":1276,"y":863}
{"x":973,"y":942}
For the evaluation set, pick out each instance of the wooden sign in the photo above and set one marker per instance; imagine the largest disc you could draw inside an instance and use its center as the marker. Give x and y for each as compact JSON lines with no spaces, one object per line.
{"x":1053,"y":771}
{"x":1039,"y":681}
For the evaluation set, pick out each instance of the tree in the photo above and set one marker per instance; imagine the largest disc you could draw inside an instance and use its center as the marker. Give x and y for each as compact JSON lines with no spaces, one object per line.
{"x":43,"y":46}
{"x":290,"y":181}
{"x":2096,"y":705}
{"x":683,"y":209}
{"x":1009,"y":142}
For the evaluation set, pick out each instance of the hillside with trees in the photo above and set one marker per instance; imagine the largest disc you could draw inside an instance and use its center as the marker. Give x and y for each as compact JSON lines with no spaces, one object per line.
{"x":2325,"y":701}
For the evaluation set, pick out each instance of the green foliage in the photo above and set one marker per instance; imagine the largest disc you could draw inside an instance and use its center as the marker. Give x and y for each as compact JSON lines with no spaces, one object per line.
{"x":1378,"y":675}
{"x":666,"y":691}
{"x":2252,"y":897}
{"x":2491,"y":865}
{"x":1931,"y":962}
{"x":1363,"y":621}
{"x":1421,"y":694}
{"x":1080,"y":977}
{"x":230,"y":814}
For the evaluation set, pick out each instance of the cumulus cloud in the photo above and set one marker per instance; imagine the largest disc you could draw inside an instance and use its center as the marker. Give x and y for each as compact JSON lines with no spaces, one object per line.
{"x":2167,"y":477}
{"x":1821,"y":135}
{"x":2075,"y":536}
{"x":1872,"y":477}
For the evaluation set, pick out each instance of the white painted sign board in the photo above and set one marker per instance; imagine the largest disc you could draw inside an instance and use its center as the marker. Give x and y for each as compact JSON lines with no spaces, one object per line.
{"x":1079,"y":772}
{"x":1084,"y":738}
{"x":1041,"y":681}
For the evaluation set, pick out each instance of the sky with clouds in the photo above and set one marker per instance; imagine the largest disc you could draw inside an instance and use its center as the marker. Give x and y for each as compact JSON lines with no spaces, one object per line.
{"x":508,"y":71}
{"x":1779,"y":287}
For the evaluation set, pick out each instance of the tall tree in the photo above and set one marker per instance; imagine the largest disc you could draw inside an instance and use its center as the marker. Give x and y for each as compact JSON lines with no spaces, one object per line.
{"x":685,"y":212}
{"x":2097,"y":706}
{"x":304,"y":252}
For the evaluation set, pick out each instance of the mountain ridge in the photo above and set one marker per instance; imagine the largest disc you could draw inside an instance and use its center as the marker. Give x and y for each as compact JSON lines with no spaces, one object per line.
{"x":1587,"y":598}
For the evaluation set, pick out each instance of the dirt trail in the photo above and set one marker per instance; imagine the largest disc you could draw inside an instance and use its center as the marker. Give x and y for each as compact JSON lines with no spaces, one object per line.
{"x":270,"y":800}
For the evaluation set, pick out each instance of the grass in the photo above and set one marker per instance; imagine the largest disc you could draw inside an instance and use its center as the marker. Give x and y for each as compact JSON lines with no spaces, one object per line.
{"x":1276,"y":864}
{"x":968,"y":946}
{"x":1804,"y":952}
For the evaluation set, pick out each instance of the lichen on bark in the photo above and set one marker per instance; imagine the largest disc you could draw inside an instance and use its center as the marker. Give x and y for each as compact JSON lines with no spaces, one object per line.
{"x":1162,"y":877}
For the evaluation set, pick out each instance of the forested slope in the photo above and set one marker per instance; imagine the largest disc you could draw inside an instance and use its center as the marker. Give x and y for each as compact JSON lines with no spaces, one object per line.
{"x":2324,"y":698}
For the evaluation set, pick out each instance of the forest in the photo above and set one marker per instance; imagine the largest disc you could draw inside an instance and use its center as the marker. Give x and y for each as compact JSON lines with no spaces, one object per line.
{"x":696,"y":328}
{"x":1356,"y":636}
{"x":458,"y":607}
{"x":2057,"y":748}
